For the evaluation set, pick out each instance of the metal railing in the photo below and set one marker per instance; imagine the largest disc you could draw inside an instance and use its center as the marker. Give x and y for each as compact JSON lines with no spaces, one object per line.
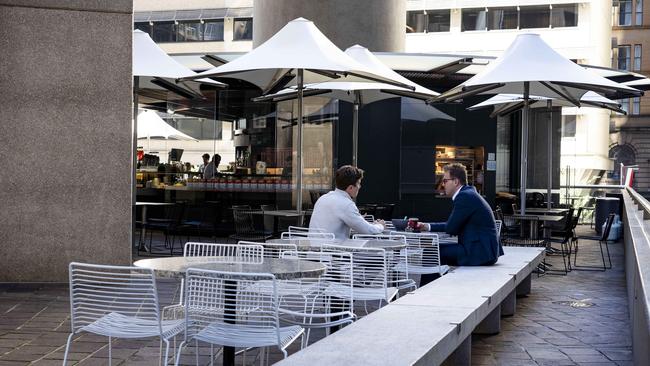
{"x":636,"y":214}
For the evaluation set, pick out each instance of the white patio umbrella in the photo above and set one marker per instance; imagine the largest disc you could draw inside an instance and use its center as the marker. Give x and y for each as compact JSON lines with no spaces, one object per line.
{"x":419,"y":111}
{"x":505,"y":104}
{"x":297,"y":54}
{"x":531,"y":67}
{"x":151,"y":125}
{"x":358,"y":92}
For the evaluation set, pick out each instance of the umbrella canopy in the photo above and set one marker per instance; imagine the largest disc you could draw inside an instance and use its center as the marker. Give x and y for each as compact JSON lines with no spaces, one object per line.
{"x":151,"y":125}
{"x":531,"y":67}
{"x":297,"y":54}
{"x":157,"y":70}
{"x":530,"y":60}
{"x":508,"y":103}
{"x":299,"y":45}
{"x":359,"y":92}
{"x":418,"y":110}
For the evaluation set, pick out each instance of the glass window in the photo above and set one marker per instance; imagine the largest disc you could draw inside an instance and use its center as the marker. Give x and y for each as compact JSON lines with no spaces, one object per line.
{"x":565,"y":15}
{"x":190,"y":126}
{"x":415,"y":21}
{"x":534,"y":16}
{"x":438,"y":20}
{"x":164,"y":32}
{"x":503,"y":18}
{"x":569,"y":125}
{"x":474,"y":19}
{"x":636,"y":105}
{"x":625,"y":12}
{"x":623,"y":57}
{"x":213,"y":30}
{"x":637,"y":57}
{"x":639,"y":12}
{"x":143,"y":26}
{"x":189,"y":31}
{"x":242,"y":29}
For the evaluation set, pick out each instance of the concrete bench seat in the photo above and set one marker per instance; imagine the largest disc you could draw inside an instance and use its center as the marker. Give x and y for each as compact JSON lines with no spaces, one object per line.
{"x":434,"y":323}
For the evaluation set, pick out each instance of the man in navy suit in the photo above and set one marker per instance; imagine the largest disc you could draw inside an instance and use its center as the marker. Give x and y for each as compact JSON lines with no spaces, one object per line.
{"x":471,"y":219}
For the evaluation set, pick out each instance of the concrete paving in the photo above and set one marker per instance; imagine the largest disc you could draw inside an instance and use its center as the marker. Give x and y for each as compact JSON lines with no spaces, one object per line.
{"x":579,"y":319}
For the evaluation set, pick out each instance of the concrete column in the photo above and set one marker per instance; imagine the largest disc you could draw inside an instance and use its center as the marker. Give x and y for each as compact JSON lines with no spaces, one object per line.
{"x":379,"y":25}
{"x":491,"y":324}
{"x":66,"y":146}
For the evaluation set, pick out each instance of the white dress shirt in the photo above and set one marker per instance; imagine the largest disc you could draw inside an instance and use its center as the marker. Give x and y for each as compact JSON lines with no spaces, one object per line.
{"x":336,"y":213}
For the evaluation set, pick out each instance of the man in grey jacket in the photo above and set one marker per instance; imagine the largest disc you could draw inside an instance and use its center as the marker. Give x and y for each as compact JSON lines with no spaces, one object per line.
{"x":336,"y":212}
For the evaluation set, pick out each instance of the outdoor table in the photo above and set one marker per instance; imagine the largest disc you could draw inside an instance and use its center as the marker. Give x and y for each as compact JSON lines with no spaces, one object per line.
{"x":545,"y":211}
{"x":276,"y":214}
{"x":282,"y":269}
{"x":309,"y":244}
{"x":144,"y":206}
{"x":534,"y":221}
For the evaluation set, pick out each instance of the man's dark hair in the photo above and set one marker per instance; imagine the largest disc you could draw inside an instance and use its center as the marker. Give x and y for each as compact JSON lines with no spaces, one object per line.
{"x":216,"y":157}
{"x":347,"y":175}
{"x":458,"y":171}
{"x":205,"y":156}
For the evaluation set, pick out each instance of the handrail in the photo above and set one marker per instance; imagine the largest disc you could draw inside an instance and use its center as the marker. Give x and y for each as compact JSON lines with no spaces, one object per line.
{"x":637,"y":271}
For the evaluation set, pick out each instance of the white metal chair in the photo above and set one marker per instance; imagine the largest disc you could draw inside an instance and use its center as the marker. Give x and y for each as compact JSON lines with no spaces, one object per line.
{"x":313,"y":306}
{"x":369,"y":275}
{"x":423,"y":251}
{"x":250,"y":252}
{"x":396,"y":277}
{"x":274,"y":250}
{"x":117,"y":302}
{"x":222,"y":311}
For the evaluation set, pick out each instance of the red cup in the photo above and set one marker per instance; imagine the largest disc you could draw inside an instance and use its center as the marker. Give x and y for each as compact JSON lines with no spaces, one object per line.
{"x":412,"y":224}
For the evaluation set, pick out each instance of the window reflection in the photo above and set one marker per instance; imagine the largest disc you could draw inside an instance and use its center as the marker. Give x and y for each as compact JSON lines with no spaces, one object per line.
{"x":213,"y":30}
{"x":164,"y":32}
{"x":415,"y":21}
{"x":474,"y":19}
{"x":242,"y":29}
{"x":503,"y":18}
{"x":564,"y":15}
{"x":534,"y":16}
{"x":189,"y":31}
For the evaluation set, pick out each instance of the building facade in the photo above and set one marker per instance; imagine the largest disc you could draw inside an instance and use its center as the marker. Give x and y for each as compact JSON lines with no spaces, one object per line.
{"x":630,"y":134}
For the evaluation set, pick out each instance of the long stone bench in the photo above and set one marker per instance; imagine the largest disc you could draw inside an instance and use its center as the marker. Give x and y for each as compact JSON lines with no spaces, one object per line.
{"x":433,"y":324}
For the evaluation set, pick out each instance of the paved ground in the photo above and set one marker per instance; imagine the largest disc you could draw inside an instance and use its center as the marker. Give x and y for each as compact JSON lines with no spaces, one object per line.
{"x":567,"y":320}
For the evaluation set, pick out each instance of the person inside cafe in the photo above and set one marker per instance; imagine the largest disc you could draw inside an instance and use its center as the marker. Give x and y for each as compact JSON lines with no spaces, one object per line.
{"x":471,"y":219}
{"x":336,"y":211}
{"x":206,"y":161}
{"x":210,"y":170}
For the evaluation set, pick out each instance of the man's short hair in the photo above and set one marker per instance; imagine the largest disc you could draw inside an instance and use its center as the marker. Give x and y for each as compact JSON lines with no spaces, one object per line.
{"x":457,"y":171}
{"x":205,"y":156}
{"x":216,"y":157}
{"x":347,"y":175}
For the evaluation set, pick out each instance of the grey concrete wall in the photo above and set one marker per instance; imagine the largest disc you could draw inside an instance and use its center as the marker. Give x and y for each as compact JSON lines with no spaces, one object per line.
{"x":66,"y":87}
{"x":637,"y":256}
{"x":379,"y":25}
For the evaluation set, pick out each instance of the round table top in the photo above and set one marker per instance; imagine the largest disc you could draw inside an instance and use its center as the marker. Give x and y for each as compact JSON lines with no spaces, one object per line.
{"x":308,"y":244}
{"x":140,"y":203}
{"x":283,"y":269}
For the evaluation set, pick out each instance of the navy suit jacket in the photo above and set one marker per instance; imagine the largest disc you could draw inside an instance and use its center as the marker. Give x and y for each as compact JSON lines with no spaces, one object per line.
{"x":472,"y":220}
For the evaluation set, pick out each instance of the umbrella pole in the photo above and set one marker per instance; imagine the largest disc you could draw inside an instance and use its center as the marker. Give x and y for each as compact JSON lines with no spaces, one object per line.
{"x":134,"y":151}
{"x":549,"y":187}
{"x":300,"y":138}
{"x":524,"y":149}
{"x":355,"y":129}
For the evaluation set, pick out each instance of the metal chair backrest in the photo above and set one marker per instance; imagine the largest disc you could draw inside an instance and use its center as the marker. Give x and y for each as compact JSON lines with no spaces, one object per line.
{"x":214,"y":299}
{"x":369,"y":218}
{"x":608,"y":227}
{"x":243,"y":219}
{"x":247,"y":252}
{"x":426,"y":244}
{"x":338,"y":273}
{"x":98,"y":290}
{"x":370,"y":267}
{"x":275,"y":250}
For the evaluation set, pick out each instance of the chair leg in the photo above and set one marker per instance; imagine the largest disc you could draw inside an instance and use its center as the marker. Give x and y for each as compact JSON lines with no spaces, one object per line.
{"x":178,"y":356}
{"x":67,"y":348}
{"x":609,"y":258}
{"x":166,"y":351}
